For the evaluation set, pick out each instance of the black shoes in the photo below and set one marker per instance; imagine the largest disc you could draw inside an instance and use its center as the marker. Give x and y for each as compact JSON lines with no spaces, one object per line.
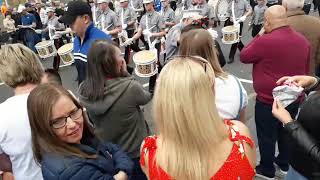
{"x":231,"y":60}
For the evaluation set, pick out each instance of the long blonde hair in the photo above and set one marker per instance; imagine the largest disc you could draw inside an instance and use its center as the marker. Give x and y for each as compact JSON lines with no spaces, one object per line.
{"x":187,"y":120}
{"x":198,"y":42}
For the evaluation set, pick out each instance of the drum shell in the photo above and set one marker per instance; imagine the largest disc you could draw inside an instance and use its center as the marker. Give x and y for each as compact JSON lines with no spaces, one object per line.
{"x":46,"y":50}
{"x":230,"y":37}
{"x":66,"y":56}
{"x":146,"y":69}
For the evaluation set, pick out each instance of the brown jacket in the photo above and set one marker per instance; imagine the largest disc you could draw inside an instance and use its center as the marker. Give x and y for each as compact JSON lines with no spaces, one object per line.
{"x":309,"y":26}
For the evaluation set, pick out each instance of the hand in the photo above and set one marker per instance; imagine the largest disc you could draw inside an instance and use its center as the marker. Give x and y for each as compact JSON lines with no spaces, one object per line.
{"x":280,"y":112}
{"x":242,"y":18}
{"x":250,"y":24}
{"x":121,"y":176}
{"x":262,"y":31}
{"x":303,"y":81}
{"x":128,"y":42}
{"x":38,"y":31}
{"x":20,"y":26}
{"x":124,"y":26}
{"x":147,"y":33}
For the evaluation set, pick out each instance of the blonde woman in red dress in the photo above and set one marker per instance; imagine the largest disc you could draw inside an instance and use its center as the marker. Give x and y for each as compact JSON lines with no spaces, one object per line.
{"x":192,"y":142}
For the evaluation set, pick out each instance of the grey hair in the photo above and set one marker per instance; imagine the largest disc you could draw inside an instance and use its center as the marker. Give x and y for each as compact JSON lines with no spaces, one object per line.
{"x":293,"y":4}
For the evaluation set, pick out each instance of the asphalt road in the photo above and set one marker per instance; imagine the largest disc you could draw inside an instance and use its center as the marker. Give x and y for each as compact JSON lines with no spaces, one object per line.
{"x":238,"y":69}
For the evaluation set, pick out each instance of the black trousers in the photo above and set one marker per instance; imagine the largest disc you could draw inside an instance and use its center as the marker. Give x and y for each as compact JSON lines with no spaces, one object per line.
{"x":239,"y":45}
{"x":306,"y":8}
{"x":133,"y":46}
{"x":256,"y":29}
{"x":14,"y":36}
{"x":56,"y":60}
{"x":153,"y":79}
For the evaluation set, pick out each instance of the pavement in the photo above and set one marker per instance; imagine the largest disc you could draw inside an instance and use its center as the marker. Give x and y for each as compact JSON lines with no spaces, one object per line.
{"x":243,"y":71}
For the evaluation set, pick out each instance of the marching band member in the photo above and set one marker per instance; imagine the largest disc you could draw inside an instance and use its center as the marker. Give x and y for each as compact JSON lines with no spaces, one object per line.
{"x":206,"y":11}
{"x":128,"y":19}
{"x":53,"y":26}
{"x":167,"y":14}
{"x":79,"y":17}
{"x":258,"y":17}
{"x":108,"y":20}
{"x":137,"y":6}
{"x":152,"y":28}
{"x":173,"y":36}
{"x":242,"y":10}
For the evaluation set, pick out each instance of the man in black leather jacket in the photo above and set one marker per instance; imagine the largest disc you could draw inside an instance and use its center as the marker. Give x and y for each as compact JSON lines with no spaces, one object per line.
{"x":305,"y":134}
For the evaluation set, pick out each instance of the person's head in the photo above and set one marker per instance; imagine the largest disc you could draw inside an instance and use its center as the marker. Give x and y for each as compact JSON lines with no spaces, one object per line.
{"x":202,"y":45}
{"x":149,"y":5}
{"x":309,"y":115}
{"x":62,"y":5}
{"x":275,"y":17}
{"x":78,"y":16}
{"x":8,"y":15}
{"x":200,"y":2}
{"x":104,"y":61}
{"x":51,"y":76}
{"x":57,"y":120}
{"x":189,"y":16}
{"x":194,"y":2}
{"x":103,"y":5}
{"x":164,"y":3}
{"x":261,"y":2}
{"x":19,"y":66}
{"x":29,"y":7}
{"x":124,"y":3}
{"x":50,"y":12}
{"x":189,"y":124}
{"x":291,"y":5}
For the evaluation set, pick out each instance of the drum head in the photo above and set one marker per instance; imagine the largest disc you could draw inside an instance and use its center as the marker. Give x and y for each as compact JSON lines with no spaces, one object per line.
{"x":222,"y":10}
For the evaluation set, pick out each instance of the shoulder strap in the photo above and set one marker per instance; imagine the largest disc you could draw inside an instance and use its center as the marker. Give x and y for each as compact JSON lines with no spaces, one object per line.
{"x":149,"y":143}
{"x":235,"y":136}
{"x":240,"y":94}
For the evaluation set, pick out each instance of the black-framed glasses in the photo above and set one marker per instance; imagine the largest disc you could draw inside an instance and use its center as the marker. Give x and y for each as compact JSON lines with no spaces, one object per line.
{"x":200,"y":59}
{"x":62,"y":121}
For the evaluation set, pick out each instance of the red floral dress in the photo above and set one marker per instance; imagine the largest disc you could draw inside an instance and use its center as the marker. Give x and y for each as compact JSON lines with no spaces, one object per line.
{"x":236,"y":167}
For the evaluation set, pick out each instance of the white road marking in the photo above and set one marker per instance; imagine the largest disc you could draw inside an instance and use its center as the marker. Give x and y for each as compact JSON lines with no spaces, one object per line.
{"x":245,"y":80}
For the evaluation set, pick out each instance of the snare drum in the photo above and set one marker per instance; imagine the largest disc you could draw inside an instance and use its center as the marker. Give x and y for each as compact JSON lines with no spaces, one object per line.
{"x":230,"y":35}
{"x":65,"y":52}
{"x":146,"y":63}
{"x":46,"y":49}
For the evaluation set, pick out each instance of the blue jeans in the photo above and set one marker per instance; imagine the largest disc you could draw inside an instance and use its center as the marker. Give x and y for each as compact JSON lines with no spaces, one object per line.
{"x":31,"y":39}
{"x":294,"y":175}
{"x":270,"y":131}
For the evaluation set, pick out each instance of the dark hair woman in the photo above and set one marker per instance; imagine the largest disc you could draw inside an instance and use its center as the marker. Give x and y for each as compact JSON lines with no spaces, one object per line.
{"x":63,"y":141}
{"x":112,"y":98}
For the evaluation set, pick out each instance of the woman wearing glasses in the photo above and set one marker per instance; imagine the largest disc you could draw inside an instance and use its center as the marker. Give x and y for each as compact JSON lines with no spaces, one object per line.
{"x":63,"y":142}
{"x":231,"y":98}
{"x":113,"y":98}
{"x":192,"y":141}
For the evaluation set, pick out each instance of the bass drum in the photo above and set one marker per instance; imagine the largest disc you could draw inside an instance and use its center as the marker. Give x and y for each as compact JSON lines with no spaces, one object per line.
{"x":222,"y":9}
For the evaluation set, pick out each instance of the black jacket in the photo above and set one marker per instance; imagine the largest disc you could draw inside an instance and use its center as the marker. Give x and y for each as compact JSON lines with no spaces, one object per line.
{"x":305,"y":151}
